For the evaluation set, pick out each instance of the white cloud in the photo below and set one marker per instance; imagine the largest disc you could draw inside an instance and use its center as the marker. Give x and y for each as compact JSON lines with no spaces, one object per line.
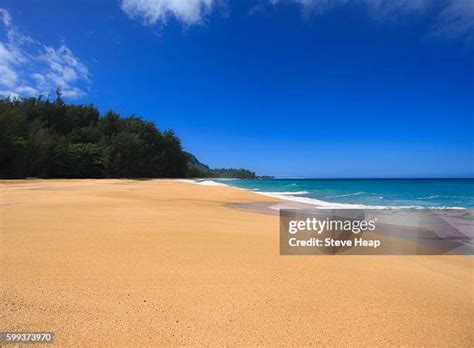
{"x":30,"y":68}
{"x":152,"y":11}
{"x":9,"y":77}
{"x":6,"y":18}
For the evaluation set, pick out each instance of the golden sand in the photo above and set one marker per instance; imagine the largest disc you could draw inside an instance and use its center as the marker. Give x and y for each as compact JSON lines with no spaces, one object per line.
{"x":163,"y":262}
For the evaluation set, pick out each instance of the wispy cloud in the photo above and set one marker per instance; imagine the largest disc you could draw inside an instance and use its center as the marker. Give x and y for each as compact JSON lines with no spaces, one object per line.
{"x":453,"y":18}
{"x":152,"y":12}
{"x":457,"y":20}
{"x":30,"y":68}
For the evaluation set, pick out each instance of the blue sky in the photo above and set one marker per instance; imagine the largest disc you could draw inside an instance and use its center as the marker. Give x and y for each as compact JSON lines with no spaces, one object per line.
{"x":302,"y":88}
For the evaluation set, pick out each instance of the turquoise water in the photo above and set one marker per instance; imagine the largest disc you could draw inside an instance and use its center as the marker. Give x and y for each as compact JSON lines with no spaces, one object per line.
{"x":369,"y":192}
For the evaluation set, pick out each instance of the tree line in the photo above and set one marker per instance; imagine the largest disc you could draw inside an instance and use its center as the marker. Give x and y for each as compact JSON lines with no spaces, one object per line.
{"x":52,"y":139}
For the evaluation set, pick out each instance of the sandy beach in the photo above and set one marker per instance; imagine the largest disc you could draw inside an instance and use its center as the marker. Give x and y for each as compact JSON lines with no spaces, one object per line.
{"x":166,"y":262}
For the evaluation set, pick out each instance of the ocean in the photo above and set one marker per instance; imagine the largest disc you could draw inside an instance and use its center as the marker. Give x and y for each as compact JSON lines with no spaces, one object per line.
{"x":408,"y":193}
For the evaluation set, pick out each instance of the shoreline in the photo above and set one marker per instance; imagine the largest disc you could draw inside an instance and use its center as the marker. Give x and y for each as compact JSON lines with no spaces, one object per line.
{"x":457,"y":219}
{"x":294,"y":196}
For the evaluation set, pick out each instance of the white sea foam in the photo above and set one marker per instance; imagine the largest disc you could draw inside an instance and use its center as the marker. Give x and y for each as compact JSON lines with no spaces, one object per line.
{"x":446,"y":196}
{"x":210,"y":183}
{"x":347,"y":195}
{"x":429,"y":197}
{"x":285,"y":193}
{"x":292,"y":196}
{"x":333,"y":205}
{"x":316,"y":202}
{"x":203,"y":182}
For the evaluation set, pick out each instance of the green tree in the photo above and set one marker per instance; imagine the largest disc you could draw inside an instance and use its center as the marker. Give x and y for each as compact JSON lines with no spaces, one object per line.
{"x":40,"y":138}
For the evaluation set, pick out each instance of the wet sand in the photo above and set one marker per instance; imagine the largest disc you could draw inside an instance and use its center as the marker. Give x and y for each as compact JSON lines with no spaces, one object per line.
{"x":163,"y":262}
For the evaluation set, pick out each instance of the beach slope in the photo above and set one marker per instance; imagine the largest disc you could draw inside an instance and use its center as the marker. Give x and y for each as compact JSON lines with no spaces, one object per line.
{"x":166,"y":262}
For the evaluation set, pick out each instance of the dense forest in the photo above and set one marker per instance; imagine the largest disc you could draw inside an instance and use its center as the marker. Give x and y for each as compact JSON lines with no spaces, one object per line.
{"x":52,"y":139}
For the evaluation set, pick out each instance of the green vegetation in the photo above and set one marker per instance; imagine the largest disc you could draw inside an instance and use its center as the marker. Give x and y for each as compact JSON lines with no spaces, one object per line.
{"x":196,"y":172}
{"x":51,"y":139}
{"x":197,"y":169}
